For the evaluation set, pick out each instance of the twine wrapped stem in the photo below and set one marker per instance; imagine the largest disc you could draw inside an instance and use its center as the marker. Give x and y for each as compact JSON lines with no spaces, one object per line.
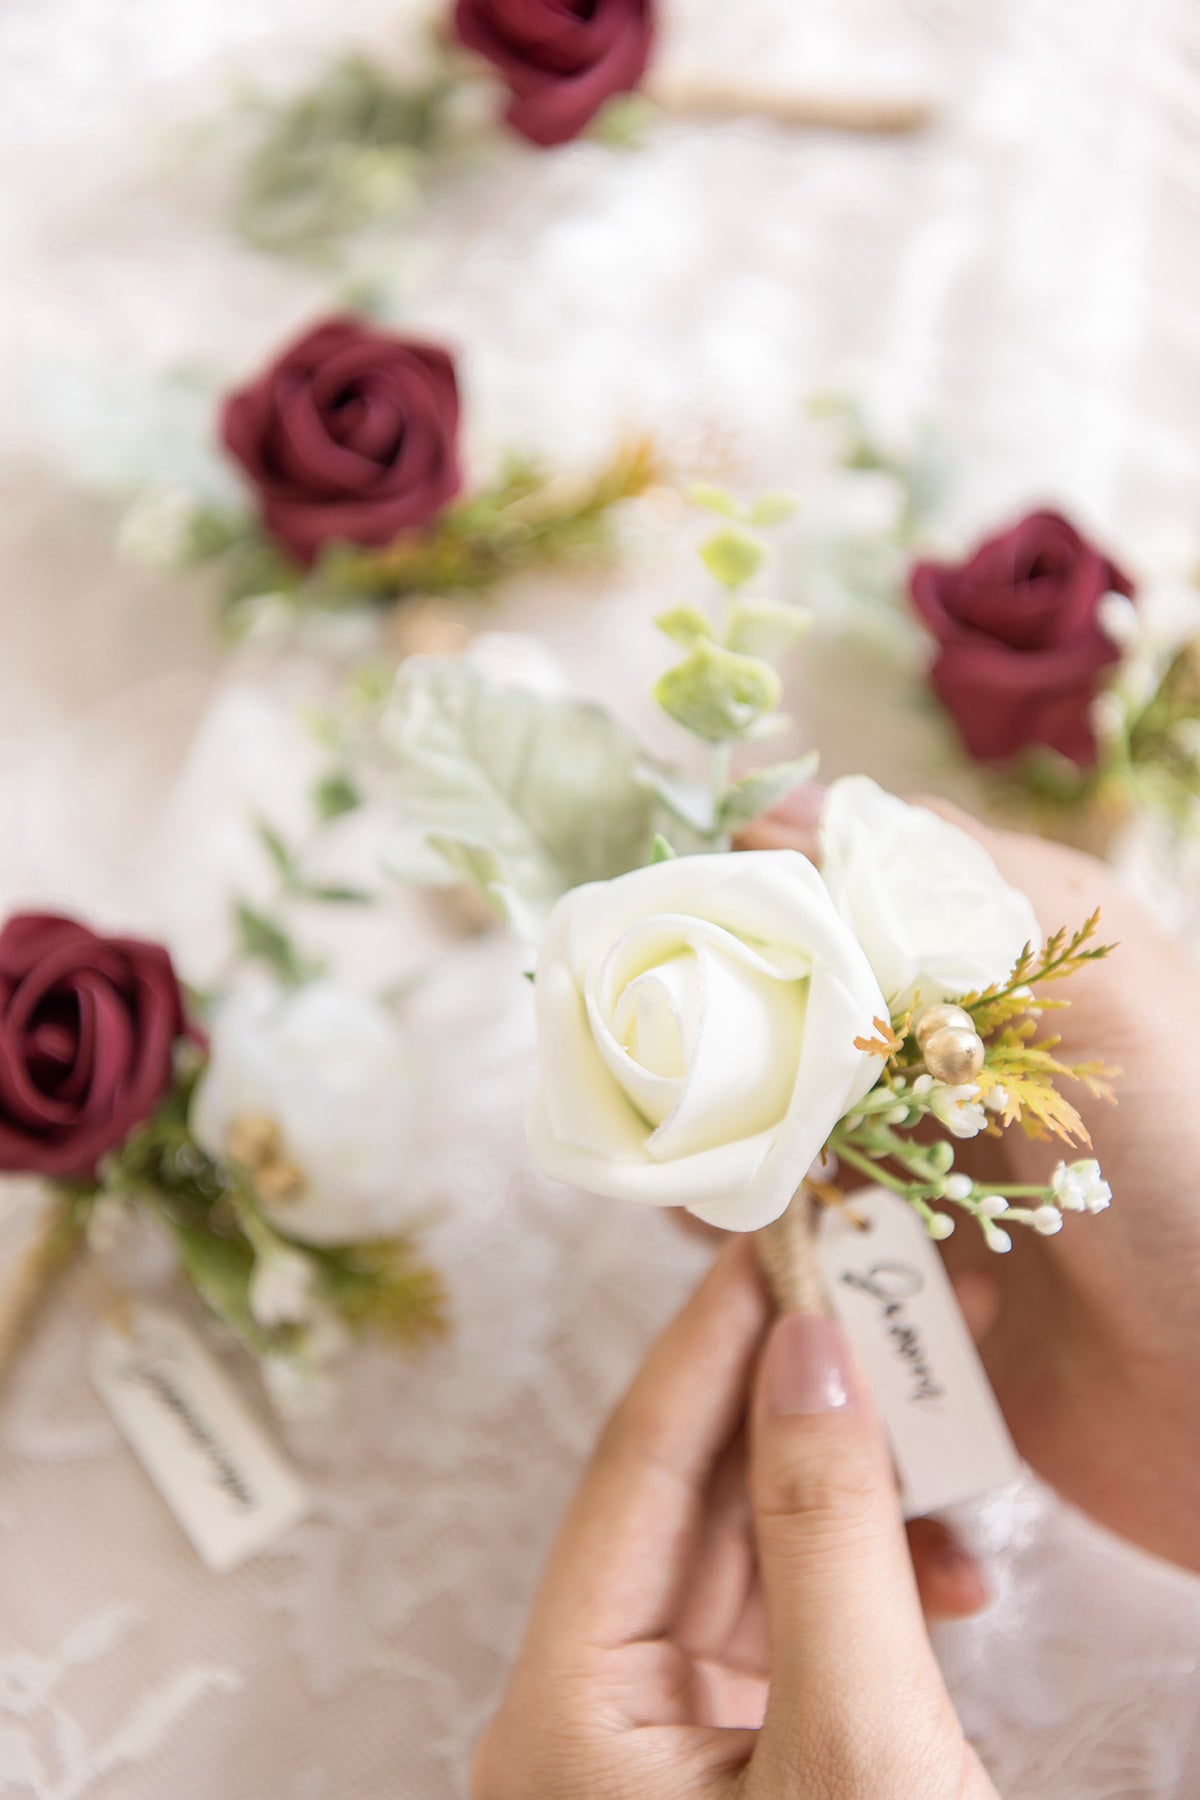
{"x":787,"y":1249}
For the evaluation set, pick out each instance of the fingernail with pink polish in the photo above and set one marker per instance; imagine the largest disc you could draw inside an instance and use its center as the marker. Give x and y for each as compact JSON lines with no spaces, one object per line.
{"x":807,"y":1369}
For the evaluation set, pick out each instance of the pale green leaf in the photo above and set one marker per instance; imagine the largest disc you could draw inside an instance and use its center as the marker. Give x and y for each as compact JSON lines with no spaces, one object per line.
{"x":717,"y":695}
{"x":772,"y":509}
{"x":766,"y":628}
{"x":733,"y":556}
{"x":526,"y":795}
{"x":262,"y":940}
{"x":661,"y":850}
{"x":714,"y":499}
{"x":335,"y":794}
{"x":685,"y":624}
{"x":758,"y":792}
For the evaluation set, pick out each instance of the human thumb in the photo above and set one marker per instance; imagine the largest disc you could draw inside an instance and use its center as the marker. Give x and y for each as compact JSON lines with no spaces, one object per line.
{"x":857,"y":1703}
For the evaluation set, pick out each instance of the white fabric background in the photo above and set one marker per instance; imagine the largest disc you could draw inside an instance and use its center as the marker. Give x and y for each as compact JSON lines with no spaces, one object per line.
{"x":1027,"y":273}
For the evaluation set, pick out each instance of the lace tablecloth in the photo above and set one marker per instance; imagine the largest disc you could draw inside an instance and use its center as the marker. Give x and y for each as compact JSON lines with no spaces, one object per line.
{"x":1026,"y":270}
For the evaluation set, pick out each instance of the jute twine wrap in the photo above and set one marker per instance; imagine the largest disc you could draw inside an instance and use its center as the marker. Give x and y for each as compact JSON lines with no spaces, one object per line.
{"x":25,"y":1286}
{"x":787,"y":1250}
{"x":803,"y":112}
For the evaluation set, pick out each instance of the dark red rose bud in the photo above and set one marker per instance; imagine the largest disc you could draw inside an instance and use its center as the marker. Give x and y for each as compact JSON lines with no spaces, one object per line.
{"x":562,"y":59}
{"x":351,"y":436}
{"x":1020,"y":648}
{"x":87,"y":1029}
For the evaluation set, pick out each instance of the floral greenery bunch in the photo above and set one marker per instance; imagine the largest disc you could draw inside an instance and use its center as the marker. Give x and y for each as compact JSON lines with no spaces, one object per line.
{"x":348,"y":443}
{"x":721,"y":1030}
{"x":363,"y":141}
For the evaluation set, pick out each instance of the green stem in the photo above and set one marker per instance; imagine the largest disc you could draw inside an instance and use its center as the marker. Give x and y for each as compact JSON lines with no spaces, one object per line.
{"x":865,"y":1166}
{"x":722,"y":757}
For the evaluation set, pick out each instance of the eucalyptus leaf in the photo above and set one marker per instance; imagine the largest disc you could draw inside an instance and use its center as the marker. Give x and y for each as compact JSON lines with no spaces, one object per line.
{"x":716,"y":694}
{"x":766,"y":628}
{"x":526,"y":795}
{"x":714,"y":499}
{"x":772,"y":509}
{"x":685,"y":624}
{"x":756,"y":793}
{"x":733,"y":556}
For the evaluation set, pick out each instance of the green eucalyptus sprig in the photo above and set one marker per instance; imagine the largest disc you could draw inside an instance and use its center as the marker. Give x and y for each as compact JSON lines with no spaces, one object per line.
{"x":726,"y":689}
{"x":525,"y":795}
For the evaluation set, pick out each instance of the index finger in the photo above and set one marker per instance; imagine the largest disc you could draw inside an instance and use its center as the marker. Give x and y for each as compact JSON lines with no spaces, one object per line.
{"x":615,"y":1572}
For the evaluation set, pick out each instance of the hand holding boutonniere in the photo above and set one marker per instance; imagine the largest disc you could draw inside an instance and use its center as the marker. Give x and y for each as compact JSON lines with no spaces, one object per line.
{"x":348,"y":445}
{"x":732,"y":1032}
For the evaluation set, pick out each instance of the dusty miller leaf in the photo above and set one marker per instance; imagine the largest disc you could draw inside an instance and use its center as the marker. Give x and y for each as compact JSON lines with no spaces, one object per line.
{"x":525,"y":795}
{"x":756,"y":793}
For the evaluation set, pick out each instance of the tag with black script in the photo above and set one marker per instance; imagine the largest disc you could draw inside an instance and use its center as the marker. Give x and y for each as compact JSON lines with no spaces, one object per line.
{"x":892,"y":1297}
{"x":207,"y":1456}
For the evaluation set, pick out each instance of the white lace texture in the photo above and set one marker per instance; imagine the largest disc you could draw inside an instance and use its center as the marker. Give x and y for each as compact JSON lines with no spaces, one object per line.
{"x":1027,"y":271}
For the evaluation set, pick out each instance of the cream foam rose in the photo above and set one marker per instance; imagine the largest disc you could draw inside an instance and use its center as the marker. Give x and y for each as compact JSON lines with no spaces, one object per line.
{"x":926,"y":902}
{"x":312,"y":1091}
{"x":696,"y":1025}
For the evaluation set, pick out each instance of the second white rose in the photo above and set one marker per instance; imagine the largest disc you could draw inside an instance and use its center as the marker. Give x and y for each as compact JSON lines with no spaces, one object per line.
{"x":927,"y":903}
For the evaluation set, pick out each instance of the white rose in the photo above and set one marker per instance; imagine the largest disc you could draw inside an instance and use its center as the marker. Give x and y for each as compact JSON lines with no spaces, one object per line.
{"x":312,"y":1090}
{"x":696,"y":1026}
{"x":926,"y":902}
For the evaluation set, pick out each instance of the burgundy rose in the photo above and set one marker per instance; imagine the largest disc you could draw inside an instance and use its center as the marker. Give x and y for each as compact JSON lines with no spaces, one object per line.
{"x":87,"y":1026}
{"x":351,"y":434}
{"x":562,"y":59}
{"x":1020,"y":648}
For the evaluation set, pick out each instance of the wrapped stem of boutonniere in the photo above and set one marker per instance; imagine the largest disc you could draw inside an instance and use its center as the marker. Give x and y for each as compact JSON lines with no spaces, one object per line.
{"x":349,"y":441}
{"x":268,"y":1151}
{"x":362,"y":144}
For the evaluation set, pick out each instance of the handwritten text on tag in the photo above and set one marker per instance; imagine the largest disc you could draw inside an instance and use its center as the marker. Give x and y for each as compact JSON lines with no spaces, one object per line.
{"x":891,"y":1295}
{"x":207,"y":1456}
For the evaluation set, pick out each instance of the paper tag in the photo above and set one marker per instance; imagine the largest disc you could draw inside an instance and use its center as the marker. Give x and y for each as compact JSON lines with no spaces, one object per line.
{"x":206,"y":1455}
{"x":893,"y":1299}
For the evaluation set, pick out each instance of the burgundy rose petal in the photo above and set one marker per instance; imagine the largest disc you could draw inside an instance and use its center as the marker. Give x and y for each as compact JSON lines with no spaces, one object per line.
{"x":561,"y":59}
{"x":351,"y":435}
{"x":1021,"y":650}
{"x":87,"y":1029}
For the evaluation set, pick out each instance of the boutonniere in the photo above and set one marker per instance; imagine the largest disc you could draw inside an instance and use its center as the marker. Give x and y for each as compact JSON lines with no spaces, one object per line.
{"x":737,"y":1032}
{"x":361,"y":144}
{"x":1071,"y":683}
{"x":264,"y":1133}
{"x":348,"y":448}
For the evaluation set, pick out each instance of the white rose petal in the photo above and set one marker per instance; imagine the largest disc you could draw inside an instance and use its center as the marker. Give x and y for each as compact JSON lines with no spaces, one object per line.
{"x":696,"y":1027}
{"x":329,"y":1069}
{"x":926,"y":901}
